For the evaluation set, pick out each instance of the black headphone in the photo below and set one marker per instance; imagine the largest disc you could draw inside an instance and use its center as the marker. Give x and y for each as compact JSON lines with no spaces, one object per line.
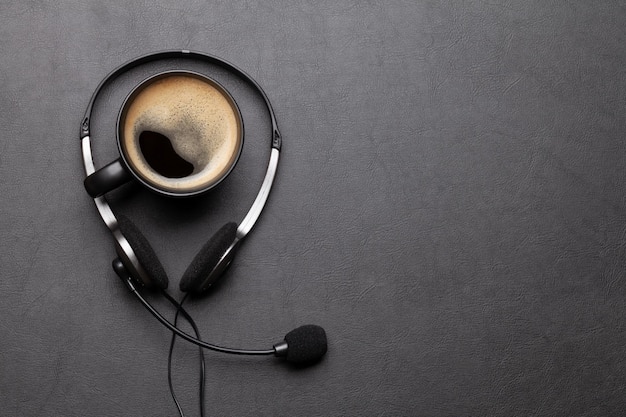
{"x":137,"y":263}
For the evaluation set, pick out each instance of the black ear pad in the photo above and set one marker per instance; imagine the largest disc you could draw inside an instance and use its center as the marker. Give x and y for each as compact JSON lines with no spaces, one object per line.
{"x":144,"y":252}
{"x":208,"y":257}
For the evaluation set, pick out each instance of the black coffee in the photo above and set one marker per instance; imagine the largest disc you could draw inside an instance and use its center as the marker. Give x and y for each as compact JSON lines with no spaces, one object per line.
{"x":180,"y":132}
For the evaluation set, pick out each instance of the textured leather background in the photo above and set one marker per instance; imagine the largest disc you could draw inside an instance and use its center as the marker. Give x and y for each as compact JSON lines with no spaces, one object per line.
{"x":450,"y":206}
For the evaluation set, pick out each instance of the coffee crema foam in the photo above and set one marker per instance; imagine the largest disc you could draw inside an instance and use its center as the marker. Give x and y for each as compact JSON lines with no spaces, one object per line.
{"x":199,"y":118}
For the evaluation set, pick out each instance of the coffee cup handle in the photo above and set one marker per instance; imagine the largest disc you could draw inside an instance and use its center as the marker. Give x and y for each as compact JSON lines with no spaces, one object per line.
{"x":107,"y":179}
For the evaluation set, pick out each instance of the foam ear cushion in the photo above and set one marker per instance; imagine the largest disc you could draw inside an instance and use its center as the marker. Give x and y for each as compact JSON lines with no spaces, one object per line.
{"x":207,"y":258}
{"x":144,"y":252}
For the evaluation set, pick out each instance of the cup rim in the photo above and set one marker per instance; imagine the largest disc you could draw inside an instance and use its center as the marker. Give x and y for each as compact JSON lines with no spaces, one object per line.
{"x":138,"y":89}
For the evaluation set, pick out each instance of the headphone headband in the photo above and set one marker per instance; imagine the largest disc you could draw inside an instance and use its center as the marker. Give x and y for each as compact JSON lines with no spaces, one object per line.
{"x":184,"y":53}
{"x":123,"y":247}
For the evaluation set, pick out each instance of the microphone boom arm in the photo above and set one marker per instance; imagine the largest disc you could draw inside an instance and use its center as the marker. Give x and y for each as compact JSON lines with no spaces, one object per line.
{"x":128,"y":281}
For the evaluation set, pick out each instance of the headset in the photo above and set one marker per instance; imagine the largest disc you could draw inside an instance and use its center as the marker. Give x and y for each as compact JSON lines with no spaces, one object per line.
{"x":137,"y":264}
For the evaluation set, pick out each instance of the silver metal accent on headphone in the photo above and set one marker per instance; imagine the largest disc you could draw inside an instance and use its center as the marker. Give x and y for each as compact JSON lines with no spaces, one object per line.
{"x":280,"y":349}
{"x":87,"y":157}
{"x":122,"y":246}
{"x":257,"y":207}
{"x":101,"y":204}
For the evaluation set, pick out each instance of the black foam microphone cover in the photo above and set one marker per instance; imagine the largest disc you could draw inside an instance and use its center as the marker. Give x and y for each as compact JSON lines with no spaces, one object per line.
{"x":207,"y":258}
{"x":144,"y":252}
{"x":306,"y":344}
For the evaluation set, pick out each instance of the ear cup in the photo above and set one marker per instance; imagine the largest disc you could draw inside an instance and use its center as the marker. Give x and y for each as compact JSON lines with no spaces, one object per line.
{"x":207,"y":258}
{"x":144,"y":252}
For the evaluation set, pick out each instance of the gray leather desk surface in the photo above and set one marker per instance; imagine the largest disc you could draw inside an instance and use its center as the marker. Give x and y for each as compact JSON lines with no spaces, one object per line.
{"x":450,"y":206}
